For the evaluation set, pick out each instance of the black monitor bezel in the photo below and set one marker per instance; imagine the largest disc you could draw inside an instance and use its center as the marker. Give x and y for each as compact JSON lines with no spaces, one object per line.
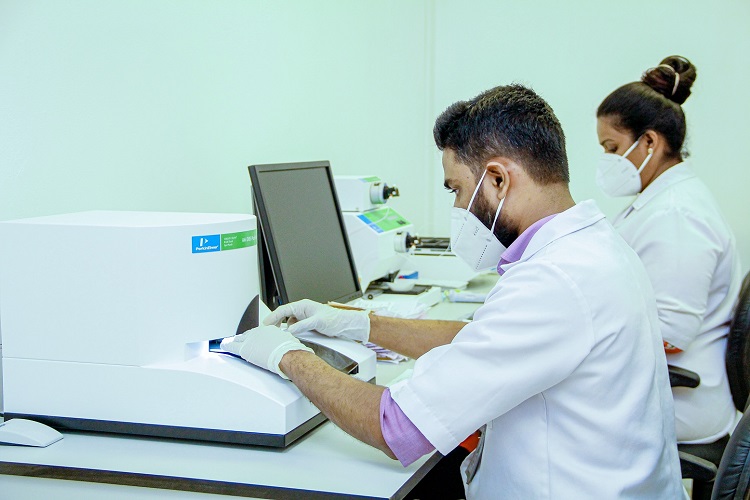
{"x":266,"y":234}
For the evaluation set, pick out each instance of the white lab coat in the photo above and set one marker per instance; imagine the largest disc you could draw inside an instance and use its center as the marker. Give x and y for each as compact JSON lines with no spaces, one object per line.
{"x":688,"y":249}
{"x":565,"y":365}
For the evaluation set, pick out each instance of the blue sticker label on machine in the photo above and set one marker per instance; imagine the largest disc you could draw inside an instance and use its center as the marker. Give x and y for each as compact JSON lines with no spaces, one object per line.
{"x":206,"y":243}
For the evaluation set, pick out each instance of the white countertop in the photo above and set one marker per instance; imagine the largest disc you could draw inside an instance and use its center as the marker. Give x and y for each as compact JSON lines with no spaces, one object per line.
{"x":326,"y":460}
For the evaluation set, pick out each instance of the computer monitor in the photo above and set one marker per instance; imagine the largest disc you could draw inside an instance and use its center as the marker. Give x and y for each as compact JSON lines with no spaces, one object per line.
{"x":305,"y":252}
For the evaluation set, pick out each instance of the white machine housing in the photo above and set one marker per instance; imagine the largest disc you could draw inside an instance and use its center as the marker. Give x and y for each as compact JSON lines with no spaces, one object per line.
{"x":358,"y":193}
{"x":379,"y":246}
{"x":379,"y":236}
{"x":106,"y":320}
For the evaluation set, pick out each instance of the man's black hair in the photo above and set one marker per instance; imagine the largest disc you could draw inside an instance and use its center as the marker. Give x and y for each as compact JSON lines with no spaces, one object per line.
{"x":511,"y":121}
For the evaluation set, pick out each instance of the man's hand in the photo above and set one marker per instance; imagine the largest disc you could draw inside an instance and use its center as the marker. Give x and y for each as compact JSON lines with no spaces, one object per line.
{"x":306,"y":315}
{"x":264,"y":346}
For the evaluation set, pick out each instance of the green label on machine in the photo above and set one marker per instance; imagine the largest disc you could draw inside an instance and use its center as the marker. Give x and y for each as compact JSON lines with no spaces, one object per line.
{"x":370,"y":179}
{"x":384,"y":219}
{"x":232,"y":241}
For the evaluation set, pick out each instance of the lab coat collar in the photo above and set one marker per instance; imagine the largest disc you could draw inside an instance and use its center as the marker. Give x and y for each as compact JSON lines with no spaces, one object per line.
{"x":581,"y":215}
{"x":669,"y":178}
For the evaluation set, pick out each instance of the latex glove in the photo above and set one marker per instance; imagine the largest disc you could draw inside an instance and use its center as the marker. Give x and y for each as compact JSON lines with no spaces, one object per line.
{"x":310,"y":315}
{"x":264,"y":346}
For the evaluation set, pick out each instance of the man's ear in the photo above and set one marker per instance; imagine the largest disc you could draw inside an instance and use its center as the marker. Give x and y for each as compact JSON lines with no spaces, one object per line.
{"x":497,"y":172}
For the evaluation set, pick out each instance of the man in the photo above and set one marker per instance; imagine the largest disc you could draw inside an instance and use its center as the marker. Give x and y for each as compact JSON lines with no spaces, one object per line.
{"x":562,"y":367}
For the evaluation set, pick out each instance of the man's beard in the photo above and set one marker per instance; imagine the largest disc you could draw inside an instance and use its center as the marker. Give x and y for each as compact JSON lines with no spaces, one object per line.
{"x":485,"y":213}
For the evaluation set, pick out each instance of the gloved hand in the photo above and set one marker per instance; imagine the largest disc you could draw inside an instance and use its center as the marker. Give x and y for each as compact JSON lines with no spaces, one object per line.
{"x":309,"y":315}
{"x":264,"y":346}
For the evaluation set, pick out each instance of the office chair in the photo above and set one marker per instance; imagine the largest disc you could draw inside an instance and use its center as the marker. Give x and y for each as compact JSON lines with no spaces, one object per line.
{"x":738,"y":374}
{"x":681,"y":377}
{"x":738,"y":349}
{"x":732,"y":479}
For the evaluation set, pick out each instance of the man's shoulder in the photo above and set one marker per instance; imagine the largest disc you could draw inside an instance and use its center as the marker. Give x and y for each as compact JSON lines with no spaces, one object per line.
{"x":591,"y":246}
{"x":594,"y":260}
{"x":540,"y":278}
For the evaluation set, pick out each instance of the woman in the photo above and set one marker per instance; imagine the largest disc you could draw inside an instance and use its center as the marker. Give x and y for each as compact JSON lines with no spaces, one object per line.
{"x":675,"y":225}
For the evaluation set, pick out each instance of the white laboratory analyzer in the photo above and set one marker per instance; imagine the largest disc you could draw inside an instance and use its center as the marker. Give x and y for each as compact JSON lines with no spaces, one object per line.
{"x":110,"y":319}
{"x":380,"y":237}
{"x":384,"y":242}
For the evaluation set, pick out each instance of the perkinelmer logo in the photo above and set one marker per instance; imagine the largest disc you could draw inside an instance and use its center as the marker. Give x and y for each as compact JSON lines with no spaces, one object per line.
{"x":228,"y":241}
{"x":207,"y":243}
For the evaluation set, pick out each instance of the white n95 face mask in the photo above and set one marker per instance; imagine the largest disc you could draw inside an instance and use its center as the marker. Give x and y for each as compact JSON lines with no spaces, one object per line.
{"x":618,"y":176}
{"x":471,"y":240}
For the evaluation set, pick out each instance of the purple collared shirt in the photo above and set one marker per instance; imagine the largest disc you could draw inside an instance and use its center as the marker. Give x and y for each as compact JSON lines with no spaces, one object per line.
{"x":514,"y":252}
{"x":400,"y":434}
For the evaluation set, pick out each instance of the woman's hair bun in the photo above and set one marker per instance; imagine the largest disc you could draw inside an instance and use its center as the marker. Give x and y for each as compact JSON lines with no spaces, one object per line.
{"x":672,"y":78}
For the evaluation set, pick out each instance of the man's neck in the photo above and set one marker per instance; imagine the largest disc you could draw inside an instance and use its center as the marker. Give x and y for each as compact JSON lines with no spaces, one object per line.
{"x":547,"y":200}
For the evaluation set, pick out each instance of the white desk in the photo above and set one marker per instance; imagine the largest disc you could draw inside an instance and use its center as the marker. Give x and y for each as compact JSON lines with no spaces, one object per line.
{"x":327,"y":463}
{"x":464,"y":310}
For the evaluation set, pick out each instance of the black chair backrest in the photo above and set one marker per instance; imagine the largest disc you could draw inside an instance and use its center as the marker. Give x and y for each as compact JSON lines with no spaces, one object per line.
{"x":738,"y":348}
{"x":733,"y":477}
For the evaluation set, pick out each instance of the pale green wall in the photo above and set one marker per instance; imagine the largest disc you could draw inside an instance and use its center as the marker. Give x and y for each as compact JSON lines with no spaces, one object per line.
{"x":161,"y":104}
{"x":574,"y":53}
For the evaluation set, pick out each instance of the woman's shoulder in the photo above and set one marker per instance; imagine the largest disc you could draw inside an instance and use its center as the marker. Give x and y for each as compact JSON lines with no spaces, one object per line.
{"x":689,"y":195}
{"x":691,"y":203}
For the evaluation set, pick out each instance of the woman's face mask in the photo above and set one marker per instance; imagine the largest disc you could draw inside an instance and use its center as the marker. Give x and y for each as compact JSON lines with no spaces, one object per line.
{"x":618,"y":176}
{"x":471,"y":240}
